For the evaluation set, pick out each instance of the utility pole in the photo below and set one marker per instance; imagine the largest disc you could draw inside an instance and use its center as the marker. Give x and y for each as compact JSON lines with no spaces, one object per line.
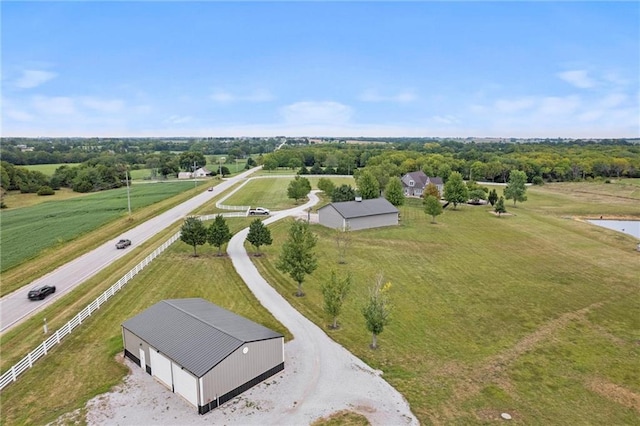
{"x":126,"y":171}
{"x":194,"y":173}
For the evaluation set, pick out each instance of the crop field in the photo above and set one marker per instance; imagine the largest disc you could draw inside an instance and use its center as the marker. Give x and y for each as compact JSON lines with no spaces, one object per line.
{"x":533,"y":313}
{"x":28,"y":231}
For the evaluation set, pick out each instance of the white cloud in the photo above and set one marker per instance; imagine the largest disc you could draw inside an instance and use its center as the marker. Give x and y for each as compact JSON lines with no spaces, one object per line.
{"x":33,"y":78}
{"x":555,"y":105}
{"x":327,"y":112}
{"x":372,"y":95}
{"x":103,"y":105}
{"x":514,"y":105}
{"x":179,"y":119}
{"x":613,"y":100}
{"x":445,"y":119}
{"x":577,"y":78}
{"x":58,"y":105}
{"x":224,"y":96}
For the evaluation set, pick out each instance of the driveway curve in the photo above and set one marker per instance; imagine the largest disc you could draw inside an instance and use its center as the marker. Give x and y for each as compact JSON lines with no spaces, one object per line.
{"x":320,"y":377}
{"x":327,"y":377}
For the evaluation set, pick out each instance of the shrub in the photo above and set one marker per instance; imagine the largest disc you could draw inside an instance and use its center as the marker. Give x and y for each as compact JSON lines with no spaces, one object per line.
{"x":46,"y":190}
{"x":537,"y":180}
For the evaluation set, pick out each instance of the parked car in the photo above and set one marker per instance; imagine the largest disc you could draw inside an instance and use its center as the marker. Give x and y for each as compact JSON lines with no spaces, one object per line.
{"x":259,"y":211}
{"x":210,"y":189}
{"x":39,"y":293}
{"x":123,"y":244}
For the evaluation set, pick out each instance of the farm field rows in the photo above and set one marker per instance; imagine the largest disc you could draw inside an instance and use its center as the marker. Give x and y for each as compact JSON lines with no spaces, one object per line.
{"x":532,"y":314}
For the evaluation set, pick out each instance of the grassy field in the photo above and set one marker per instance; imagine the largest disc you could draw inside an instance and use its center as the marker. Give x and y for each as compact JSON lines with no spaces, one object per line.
{"x":47,"y":169}
{"x":534,"y":314}
{"x":272,"y":193}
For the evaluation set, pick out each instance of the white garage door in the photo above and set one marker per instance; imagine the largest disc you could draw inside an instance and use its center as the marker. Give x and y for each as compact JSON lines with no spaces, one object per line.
{"x":185,"y":384}
{"x":161,"y":367}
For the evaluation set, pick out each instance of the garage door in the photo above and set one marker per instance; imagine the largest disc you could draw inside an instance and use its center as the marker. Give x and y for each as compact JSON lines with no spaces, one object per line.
{"x":161,"y":367}
{"x":185,"y":384}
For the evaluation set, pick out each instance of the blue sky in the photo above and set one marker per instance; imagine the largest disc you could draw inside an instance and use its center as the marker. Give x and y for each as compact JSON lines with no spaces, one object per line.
{"x":448,"y":69}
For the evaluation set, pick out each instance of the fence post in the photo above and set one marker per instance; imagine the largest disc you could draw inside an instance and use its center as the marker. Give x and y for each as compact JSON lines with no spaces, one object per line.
{"x":29,"y":360}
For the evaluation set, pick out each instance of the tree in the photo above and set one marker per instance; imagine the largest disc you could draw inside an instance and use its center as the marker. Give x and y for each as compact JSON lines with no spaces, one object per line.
{"x":432,"y":207}
{"x":516,"y":189}
{"x":189,"y":158}
{"x":334,"y":292}
{"x":218,"y":233}
{"x":431,"y":189}
{"x":493,"y":196}
{"x":297,"y":257}
{"x":368,"y":185}
{"x":394,"y":192}
{"x":475,"y":195}
{"x":270,"y":163}
{"x":194,"y":233}
{"x":259,"y":235}
{"x":298,"y":188}
{"x":499,"y":207}
{"x":455,"y":190}
{"x":326,"y":185}
{"x":343,"y":241}
{"x":343,"y":193}
{"x":377,"y":311}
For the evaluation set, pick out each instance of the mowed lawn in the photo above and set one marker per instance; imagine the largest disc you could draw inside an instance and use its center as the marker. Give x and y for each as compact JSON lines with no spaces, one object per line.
{"x":271,"y":193}
{"x":532,"y":314}
{"x":30,"y":230}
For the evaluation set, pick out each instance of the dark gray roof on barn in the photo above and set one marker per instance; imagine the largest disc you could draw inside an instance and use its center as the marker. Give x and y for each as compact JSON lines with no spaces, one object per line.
{"x":195,"y":333}
{"x":372,"y":207}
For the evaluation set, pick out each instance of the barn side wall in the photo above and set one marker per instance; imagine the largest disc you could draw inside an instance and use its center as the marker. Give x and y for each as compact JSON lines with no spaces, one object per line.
{"x":376,"y":221}
{"x":132,"y":345}
{"x":329,"y":217}
{"x":240,"y":369}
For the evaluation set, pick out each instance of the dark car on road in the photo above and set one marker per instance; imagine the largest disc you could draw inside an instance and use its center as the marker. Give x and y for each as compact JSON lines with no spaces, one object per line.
{"x":41,"y":292}
{"x":123,"y":244}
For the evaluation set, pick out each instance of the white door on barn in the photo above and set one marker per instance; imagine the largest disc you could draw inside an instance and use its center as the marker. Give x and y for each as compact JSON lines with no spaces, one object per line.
{"x":161,"y":367}
{"x":143,"y":363}
{"x":185,"y":384}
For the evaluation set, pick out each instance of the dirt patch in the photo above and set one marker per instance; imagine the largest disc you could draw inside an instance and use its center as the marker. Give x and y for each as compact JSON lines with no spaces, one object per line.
{"x":615,"y":393}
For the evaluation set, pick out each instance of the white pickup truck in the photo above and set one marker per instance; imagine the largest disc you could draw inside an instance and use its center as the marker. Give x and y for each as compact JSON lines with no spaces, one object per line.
{"x":259,"y":211}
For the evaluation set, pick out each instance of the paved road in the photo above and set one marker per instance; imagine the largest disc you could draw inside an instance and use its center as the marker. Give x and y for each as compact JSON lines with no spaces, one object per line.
{"x":327,"y":378}
{"x":15,"y":307}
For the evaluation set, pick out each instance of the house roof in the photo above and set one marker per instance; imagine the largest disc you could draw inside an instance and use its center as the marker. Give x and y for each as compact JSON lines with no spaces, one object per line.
{"x":372,"y":207}
{"x":195,"y":333}
{"x":419,"y":177}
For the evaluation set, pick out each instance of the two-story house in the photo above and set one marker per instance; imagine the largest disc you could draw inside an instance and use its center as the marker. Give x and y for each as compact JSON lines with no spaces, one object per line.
{"x":414,"y":183}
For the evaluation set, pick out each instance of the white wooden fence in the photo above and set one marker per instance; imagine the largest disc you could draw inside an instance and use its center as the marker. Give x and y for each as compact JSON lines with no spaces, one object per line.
{"x":27,"y":362}
{"x":224,"y":207}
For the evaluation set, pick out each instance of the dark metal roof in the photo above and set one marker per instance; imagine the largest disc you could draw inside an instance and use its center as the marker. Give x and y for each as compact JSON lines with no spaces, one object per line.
{"x":195,"y":333}
{"x":372,"y":207}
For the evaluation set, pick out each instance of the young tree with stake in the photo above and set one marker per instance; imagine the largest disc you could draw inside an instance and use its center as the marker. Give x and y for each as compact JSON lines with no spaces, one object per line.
{"x":334,"y":292}
{"x":377,"y":311}
{"x":297,"y":257}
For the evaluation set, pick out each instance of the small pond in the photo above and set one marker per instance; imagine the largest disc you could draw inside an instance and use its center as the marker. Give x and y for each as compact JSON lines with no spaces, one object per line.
{"x":629,"y":227}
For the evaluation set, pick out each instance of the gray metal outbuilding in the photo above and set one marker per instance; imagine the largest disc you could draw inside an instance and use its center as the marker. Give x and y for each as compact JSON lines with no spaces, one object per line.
{"x":203,"y":352}
{"x":355,"y":215}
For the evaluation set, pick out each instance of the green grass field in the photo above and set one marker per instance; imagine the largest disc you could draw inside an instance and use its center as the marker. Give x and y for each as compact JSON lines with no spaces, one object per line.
{"x":47,"y":169}
{"x":272,"y":193}
{"x":534,"y":313}
{"x":28,"y":231}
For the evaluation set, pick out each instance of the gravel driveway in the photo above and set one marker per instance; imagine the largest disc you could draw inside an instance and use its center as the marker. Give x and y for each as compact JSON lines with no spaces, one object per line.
{"x":320,"y":376}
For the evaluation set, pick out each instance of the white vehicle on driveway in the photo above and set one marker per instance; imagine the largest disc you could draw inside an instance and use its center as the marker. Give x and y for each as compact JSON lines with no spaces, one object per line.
{"x":259,"y":211}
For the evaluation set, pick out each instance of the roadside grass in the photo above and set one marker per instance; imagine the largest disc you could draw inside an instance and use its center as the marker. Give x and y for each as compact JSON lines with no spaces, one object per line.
{"x":342,"y":418}
{"x":84,"y":364}
{"x":487,"y":310}
{"x":35,"y":240}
